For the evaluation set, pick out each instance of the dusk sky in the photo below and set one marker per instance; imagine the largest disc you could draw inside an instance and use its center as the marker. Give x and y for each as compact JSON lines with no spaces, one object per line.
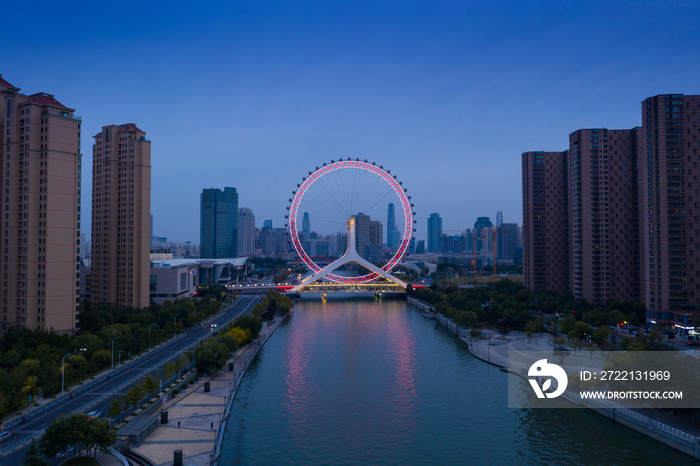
{"x":255,"y":94}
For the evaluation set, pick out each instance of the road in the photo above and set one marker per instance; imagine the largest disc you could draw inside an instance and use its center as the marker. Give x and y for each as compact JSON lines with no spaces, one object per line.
{"x":98,"y":395}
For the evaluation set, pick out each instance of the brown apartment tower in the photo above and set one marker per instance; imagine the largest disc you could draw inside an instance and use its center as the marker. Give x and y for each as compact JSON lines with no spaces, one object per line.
{"x":604,"y":200}
{"x":669,"y":166}
{"x":121,"y":211}
{"x":633,"y":213}
{"x":546,"y":220}
{"x":40,"y":211}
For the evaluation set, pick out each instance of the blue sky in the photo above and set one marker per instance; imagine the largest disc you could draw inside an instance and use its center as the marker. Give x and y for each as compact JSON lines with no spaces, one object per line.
{"x":255,"y":94}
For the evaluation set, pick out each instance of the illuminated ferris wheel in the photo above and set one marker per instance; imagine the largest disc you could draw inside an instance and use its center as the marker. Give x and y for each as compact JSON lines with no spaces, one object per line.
{"x":339,"y":194}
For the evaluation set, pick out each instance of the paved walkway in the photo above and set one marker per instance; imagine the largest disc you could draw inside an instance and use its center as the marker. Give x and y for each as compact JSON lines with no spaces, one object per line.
{"x":498,"y":355}
{"x":194,"y":419}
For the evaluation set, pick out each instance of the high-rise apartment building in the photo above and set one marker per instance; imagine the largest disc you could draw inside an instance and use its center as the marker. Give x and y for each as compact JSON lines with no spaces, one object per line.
{"x":40,"y":211}
{"x":668,"y":195}
{"x":603,"y":198}
{"x":246,"y":232}
{"x":434,"y":232}
{"x":218,"y":225}
{"x":546,"y":220}
{"x":121,"y":217}
{"x":633,"y":194}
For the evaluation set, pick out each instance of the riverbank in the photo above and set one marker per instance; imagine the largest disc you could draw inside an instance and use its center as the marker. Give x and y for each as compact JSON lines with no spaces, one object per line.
{"x":198,"y":418}
{"x":665,"y":428}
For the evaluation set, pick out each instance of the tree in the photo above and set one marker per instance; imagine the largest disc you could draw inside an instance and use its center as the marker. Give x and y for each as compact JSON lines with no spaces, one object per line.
{"x":230,"y":342}
{"x":616,"y":317}
{"x":135,"y":395}
{"x":600,"y":334}
{"x":116,"y":407}
{"x":210,"y":357}
{"x":102,"y":358}
{"x":32,"y":457}
{"x":58,"y":437}
{"x":239,"y":334}
{"x":150,"y":384}
{"x":30,"y":387}
{"x":251,"y":323}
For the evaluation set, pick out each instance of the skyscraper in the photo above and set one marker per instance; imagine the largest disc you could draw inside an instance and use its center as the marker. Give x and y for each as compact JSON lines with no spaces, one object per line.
{"x":246,"y":232}
{"x":121,"y":217}
{"x":219,"y":223}
{"x":362,"y":235}
{"x":305,"y":224}
{"x":499,"y":219}
{"x":481,"y":237}
{"x":546,"y":221}
{"x":392,"y":233}
{"x":41,"y":211}
{"x":434,"y":232}
{"x":267,"y":224}
{"x":374,"y":253}
{"x":506,"y":240}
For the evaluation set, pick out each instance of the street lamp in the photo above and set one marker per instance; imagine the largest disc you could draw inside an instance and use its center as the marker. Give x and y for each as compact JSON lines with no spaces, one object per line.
{"x":176,"y":321}
{"x":113,"y":351}
{"x":63,"y":376}
{"x":149,"y":334}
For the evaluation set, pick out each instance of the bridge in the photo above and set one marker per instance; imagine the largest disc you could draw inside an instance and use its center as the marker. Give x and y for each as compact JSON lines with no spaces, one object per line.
{"x":377,"y":280}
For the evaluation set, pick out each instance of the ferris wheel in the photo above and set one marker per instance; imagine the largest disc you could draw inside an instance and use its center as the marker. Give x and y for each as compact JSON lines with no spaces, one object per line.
{"x":333,"y":193}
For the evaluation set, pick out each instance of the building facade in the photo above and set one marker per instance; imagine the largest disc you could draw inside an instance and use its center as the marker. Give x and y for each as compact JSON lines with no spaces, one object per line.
{"x":246,"y":232}
{"x":668,"y":195}
{"x":507,"y":236}
{"x":482,"y":238}
{"x":121,"y":217}
{"x":393,"y":237}
{"x":218,"y":226}
{"x":546,"y":221}
{"x":603,"y":205}
{"x":41,"y":212}
{"x":434,"y":232}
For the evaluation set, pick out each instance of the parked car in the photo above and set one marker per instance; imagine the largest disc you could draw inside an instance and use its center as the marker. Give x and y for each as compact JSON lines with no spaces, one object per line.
{"x":5,"y":436}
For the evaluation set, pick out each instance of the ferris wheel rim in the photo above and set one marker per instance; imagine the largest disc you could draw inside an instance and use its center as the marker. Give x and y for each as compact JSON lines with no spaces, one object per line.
{"x":378,"y":170}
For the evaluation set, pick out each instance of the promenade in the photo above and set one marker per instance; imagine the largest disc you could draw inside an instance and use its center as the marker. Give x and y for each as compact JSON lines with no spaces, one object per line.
{"x":196,"y":418}
{"x":498,"y":356}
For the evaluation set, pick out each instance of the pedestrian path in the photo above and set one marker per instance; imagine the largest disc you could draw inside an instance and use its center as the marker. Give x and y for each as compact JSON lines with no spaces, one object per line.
{"x":195,"y":419}
{"x":498,"y":356}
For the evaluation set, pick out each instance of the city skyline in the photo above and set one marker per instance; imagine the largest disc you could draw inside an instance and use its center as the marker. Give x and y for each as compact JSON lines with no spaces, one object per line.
{"x":297,"y":86}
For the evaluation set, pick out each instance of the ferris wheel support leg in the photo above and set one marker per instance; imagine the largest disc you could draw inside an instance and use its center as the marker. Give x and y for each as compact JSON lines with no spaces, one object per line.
{"x":350,"y":255}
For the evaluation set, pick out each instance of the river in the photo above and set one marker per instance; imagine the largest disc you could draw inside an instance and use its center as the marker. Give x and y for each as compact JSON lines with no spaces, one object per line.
{"x":364,"y":381}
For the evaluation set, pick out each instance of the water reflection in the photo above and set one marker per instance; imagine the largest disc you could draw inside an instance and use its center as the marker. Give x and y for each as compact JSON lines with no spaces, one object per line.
{"x":368,"y":382}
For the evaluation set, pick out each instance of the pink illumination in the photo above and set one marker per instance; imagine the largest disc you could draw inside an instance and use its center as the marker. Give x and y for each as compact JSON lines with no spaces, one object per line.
{"x":406,"y":205}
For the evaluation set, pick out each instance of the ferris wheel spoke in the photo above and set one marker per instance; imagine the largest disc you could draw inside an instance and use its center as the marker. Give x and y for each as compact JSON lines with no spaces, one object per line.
{"x":335,"y":193}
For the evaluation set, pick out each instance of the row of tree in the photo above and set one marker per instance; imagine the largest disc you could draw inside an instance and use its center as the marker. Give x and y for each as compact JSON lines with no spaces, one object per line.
{"x":507,"y":304}
{"x":32,"y":361}
{"x":76,"y":431}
